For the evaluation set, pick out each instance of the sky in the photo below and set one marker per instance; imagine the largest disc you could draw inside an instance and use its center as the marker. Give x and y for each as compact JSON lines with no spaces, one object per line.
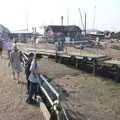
{"x":14,"y":13}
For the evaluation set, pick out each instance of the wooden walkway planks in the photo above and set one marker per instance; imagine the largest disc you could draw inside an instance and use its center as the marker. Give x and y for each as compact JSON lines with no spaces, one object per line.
{"x":64,"y":54}
{"x":82,"y":58}
{"x":112,"y":62}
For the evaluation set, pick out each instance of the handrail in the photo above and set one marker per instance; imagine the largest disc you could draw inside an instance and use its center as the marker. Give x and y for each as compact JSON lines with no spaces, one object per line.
{"x":50,"y":100}
{"x":50,"y":86}
{"x":25,"y":56}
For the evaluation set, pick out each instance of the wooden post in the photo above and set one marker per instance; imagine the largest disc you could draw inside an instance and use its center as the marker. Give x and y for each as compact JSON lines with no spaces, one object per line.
{"x":77,"y":63}
{"x":84,"y":62}
{"x":94,"y":67}
{"x":118,"y":74}
{"x":60,"y":59}
{"x":56,"y":57}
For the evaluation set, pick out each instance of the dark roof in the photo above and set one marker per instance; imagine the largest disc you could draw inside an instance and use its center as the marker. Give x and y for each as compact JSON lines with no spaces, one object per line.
{"x":58,"y":28}
{"x":95,"y":32}
{"x":72,"y":28}
{"x":3,"y":29}
{"x":4,"y":32}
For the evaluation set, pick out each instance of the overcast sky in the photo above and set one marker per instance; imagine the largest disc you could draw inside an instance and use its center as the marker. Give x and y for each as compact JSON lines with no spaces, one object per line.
{"x":13,"y":13}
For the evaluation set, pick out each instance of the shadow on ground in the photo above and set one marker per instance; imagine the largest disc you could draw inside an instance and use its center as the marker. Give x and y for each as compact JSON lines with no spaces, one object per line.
{"x":75,"y":115}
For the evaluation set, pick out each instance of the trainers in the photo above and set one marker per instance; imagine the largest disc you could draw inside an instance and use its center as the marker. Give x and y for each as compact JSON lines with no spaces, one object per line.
{"x":30,"y":101}
{"x":27,"y":93}
{"x":17,"y":82}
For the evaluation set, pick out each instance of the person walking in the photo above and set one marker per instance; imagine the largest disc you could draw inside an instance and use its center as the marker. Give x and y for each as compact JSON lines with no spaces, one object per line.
{"x":15,"y":62}
{"x":9,"y":49}
{"x":27,"y":69}
{"x":34,"y":79}
{"x":1,"y":47}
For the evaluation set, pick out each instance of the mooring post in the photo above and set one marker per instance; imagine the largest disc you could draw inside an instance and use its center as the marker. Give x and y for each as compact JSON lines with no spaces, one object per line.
{"x":118,"y":73}
{"x":94,"y":66}
{"x":56,"y":57}
{"x":84,"y":62}
{"x":60,"y":59}
{"x":77,"y":63}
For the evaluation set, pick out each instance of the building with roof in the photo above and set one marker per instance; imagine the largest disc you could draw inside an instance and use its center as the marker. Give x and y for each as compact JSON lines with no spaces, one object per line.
{"x":20,"y":35}
{"x":53,"y":32}
{"x":23,"y":35}
{"x":4,"y":32}
{"x":93,"y":34}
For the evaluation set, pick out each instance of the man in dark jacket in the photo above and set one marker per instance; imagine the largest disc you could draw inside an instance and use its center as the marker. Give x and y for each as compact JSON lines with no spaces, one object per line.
{"x":34,"y":80}
{"x":1,"y":47}
{"x":27,"y":69}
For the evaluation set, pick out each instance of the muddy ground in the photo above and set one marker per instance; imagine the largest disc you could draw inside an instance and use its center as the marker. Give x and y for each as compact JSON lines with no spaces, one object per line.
{"x":84,"y":96}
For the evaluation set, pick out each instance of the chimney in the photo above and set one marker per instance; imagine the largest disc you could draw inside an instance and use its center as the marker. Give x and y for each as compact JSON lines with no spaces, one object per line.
{"x":62,"y":20}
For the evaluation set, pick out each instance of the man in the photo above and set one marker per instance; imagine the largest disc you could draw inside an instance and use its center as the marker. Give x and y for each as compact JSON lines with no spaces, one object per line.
{"x":27,"y":69}
{"x":98,"y":41}
{"x":1,"y":47}
{"x":9,"y":49}
{"x":7,"y":45}
{"x":34,"y":79}
{"x":15,"y":61}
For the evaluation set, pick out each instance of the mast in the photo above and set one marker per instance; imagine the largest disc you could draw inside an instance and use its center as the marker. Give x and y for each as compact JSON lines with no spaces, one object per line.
{"x":27,"y":21}
{"x":81,"y":18}
{"x":94,"y":17}
{"x":62,"y":20}
{"x":68,"y":16}
{"x":85,"y":25}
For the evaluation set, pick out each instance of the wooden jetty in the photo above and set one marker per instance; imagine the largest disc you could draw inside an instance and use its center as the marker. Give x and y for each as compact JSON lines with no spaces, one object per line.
{"x":79,"y":60}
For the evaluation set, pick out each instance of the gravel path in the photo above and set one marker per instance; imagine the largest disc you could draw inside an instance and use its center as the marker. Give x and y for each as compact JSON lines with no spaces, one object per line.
{"x":12,"y":97}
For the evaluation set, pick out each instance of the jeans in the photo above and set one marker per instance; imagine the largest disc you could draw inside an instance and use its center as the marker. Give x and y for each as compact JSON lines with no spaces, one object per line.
{"x":27,"y":74}
{"x":28,"y":82}
{"x":28,"y":85}
{"x":32,"y":89}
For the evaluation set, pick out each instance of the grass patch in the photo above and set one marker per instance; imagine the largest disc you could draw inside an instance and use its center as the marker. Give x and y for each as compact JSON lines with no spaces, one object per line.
{"x":115,"y":47}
